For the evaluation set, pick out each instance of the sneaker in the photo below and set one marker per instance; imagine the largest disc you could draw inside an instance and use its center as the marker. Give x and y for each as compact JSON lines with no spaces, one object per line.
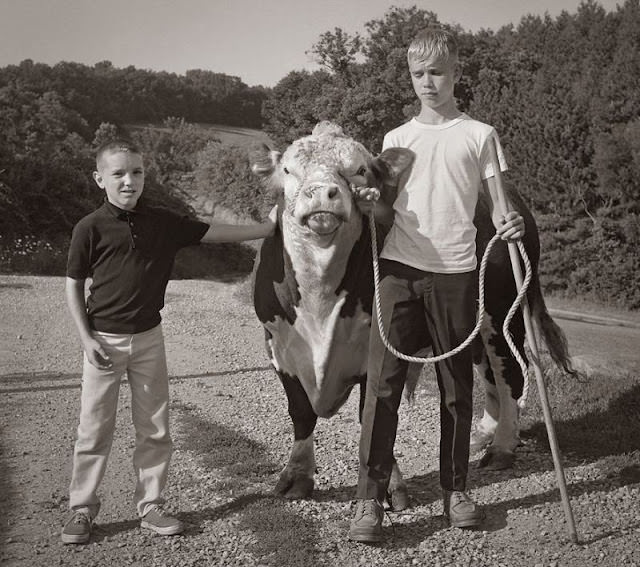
{"x":156,"y":520}
{"x":460,"y":510}
{"x":366,"y":525}
{"x":77,"y":529}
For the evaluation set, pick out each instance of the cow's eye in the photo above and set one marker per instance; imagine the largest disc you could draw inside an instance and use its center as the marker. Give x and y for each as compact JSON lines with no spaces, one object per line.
{"x":361,"y":171}
{"x":285,"y":170}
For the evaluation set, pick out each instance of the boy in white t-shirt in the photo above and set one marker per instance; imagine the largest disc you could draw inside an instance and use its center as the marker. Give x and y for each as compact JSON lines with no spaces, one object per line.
{"x":428,"y":287}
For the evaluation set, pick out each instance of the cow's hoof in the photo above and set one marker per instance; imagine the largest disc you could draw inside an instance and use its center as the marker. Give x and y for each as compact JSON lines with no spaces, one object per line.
{"x":480,"y":440}
{"x":398,"y":498}
{"x":496,"y":459}
{"x":300,"y":489}
{"x":294,"y":487}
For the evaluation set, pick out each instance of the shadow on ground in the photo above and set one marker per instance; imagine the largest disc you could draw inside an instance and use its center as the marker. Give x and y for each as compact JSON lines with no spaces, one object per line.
{"x":237,"y":464}
{"x":22,"y":382}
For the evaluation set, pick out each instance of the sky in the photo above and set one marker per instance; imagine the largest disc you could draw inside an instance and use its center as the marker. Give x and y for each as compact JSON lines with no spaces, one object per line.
{"x":259,"y":41}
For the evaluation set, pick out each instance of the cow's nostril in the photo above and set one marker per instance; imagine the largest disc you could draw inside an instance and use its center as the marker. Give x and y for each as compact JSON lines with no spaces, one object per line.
{"x":322,"y":190}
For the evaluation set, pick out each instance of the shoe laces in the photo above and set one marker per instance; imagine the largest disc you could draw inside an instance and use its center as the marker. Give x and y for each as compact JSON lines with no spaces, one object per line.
{"x":458,"y":496}
{"x":160,"y":512}
{"x":81,"y":518}
{"x":371,"y":506}
{"x":368,"y":507}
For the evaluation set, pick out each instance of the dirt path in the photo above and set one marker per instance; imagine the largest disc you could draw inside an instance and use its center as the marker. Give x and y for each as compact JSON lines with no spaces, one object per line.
{"x":232,"y":437}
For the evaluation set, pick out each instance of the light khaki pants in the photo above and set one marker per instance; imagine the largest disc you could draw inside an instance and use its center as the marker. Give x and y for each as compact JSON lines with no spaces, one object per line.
{"x":142,"y":356}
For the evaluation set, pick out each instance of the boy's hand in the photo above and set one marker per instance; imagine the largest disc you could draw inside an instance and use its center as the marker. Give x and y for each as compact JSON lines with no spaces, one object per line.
{"x":512,"y":227}
{"x":97,"y":355}
{"x":366,"y":198}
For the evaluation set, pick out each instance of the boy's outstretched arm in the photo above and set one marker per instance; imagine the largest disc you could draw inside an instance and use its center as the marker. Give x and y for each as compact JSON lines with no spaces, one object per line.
{"x":74,"y":292}
{"x":240,"y":232}
{"x":509,"y":226}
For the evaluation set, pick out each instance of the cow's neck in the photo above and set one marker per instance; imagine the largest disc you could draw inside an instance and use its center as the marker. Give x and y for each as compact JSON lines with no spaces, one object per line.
{"x":319,"y":269}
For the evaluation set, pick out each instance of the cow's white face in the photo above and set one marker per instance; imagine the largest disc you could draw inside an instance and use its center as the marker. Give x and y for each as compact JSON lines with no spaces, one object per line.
{"x":316,"y":176}
{"x":318,"y":173}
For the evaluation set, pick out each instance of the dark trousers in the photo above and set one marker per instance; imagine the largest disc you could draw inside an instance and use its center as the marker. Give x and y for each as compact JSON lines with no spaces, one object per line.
{"x":419,"y":309}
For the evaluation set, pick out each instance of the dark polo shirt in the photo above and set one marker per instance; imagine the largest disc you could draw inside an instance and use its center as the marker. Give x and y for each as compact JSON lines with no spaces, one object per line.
{"x":129,"y":256}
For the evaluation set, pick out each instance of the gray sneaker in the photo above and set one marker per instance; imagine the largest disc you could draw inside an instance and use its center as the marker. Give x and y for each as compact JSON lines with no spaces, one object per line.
{"x":366,"y":525}
{"x":156,"y":520}
{"x":460,"y":510}
{"x":77,"y":529}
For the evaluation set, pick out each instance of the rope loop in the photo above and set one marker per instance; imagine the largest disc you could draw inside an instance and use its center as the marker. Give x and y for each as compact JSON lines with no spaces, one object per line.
{"x":481,"y":277}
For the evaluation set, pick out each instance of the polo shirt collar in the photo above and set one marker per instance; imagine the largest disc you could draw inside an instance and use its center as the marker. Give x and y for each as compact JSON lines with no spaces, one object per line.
{"x":121,"y":213}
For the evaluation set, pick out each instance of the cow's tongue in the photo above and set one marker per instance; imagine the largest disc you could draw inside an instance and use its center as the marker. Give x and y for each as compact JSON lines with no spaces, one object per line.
{"x":323,"y":223}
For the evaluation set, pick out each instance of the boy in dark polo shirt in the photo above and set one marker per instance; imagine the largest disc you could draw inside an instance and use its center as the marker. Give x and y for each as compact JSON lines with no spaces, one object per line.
{"x":128,"y":251}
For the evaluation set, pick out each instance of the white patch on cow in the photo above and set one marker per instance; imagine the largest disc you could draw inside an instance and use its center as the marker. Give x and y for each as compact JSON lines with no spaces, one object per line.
{"x":506,"y":432}
{"x":273,"y":359}
{"x":484,"y":430}
{"x":324,"y":350}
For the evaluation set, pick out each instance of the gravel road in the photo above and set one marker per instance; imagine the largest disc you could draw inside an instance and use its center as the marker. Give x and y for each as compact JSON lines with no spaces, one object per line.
{"x":232,"y":437}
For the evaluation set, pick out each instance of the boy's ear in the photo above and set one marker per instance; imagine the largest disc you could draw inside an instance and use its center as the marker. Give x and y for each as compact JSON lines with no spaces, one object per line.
{"x":98,"y":179}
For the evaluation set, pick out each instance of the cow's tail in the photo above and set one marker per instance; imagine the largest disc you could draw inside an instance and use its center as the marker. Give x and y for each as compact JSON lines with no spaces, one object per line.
{"x":553,"y":335}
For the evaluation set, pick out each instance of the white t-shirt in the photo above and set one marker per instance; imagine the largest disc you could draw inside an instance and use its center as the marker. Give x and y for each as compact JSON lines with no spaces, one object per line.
{"x":433,"y":226}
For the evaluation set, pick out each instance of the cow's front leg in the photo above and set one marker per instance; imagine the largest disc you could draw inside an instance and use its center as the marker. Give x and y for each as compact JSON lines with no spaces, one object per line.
{"x":296,"y":479}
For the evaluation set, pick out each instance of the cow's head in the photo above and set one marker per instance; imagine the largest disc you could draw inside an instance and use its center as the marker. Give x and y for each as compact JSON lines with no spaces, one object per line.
{"x":317,"y":174}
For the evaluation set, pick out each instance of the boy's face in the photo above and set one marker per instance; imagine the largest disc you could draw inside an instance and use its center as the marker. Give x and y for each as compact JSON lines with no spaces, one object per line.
{"x":121,"y":175}
{"x":433,"y":79}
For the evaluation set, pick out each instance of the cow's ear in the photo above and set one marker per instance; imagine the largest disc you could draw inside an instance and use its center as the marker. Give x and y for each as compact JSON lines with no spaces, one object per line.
{"x":263,"y":160}
{"x":392,"y":163}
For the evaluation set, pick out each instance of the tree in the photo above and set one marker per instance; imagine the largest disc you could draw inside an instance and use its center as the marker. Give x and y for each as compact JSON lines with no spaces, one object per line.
{"x":336,"y":51}
{"x":223,"y":175}
{"x":171,"y":154}
{"x":293,"y":106}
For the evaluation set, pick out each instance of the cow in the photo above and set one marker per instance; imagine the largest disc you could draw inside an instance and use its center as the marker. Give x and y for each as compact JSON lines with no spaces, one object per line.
{"x":497,"y":432}
{"x":313,"y":291}
{"x":313,"y":283}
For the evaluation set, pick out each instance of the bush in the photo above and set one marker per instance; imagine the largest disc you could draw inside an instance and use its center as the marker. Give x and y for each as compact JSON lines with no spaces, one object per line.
{"x":31,"y":255}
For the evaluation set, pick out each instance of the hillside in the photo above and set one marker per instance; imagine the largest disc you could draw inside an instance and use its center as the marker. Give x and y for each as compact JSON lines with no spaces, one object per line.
{"x":228,"y":135}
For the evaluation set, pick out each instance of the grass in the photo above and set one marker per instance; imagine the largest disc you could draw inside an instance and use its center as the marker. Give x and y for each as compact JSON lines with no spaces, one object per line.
{"x":588,"y":307}
{"x":228,"y":135}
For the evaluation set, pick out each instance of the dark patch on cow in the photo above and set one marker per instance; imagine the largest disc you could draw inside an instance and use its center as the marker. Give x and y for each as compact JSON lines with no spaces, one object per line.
{"x":358,"y":277}
{"x":500,"y":287}
{"x":279,"y":293}
{"x":302,"y":415}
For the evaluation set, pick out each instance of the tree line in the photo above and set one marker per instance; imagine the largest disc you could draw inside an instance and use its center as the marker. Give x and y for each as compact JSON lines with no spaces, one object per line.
{"x":563,"y":94}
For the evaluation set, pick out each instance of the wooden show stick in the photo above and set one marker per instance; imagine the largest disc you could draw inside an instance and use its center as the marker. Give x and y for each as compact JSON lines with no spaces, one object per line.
{"x":514,"y":254}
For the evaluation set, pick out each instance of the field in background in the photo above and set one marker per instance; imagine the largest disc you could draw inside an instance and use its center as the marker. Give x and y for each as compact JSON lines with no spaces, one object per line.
{"x":228,"y":135}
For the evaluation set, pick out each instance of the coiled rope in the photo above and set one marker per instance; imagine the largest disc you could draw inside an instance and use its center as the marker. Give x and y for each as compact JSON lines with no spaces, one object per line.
{"x":481,"y":276}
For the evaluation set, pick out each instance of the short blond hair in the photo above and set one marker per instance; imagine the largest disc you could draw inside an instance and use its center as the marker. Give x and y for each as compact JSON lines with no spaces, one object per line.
{"x":114,"y":146}
{"x":433,"y":42}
